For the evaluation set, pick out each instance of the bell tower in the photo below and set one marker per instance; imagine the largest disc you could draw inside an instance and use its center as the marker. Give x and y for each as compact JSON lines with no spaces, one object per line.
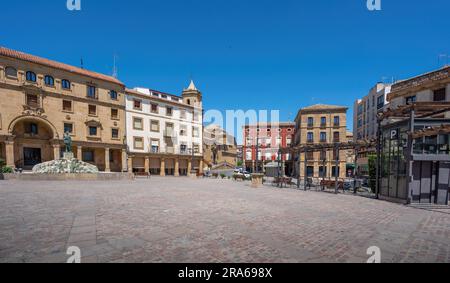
{"x":192,"y":96}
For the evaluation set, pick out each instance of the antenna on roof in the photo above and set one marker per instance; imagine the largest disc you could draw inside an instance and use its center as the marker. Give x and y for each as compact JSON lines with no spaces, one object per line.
{"x":115,"y":71}
{"x":81,"y":63}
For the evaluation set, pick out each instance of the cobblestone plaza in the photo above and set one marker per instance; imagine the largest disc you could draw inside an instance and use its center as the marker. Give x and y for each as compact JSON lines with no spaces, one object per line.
{"x":205,"y":220}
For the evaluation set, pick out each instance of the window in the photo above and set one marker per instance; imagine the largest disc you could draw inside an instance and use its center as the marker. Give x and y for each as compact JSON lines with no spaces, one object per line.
{"x":93,"y":131}
{"x":115,"y":134}
{"x":323,"y":137}
{"x":322,"y":172}
{"x":31,"y":77}
{"x":337,"y":121}
{"x":195,"y":132}
{"x":336,"y":137}
{"x":31,"y":129}
{"x":91,"y":91}
{"x":114,"y":113}
{"x":67,"y":105}
{"x":310,"y":171}
{"x":310,"y":137}
{"x":65,"y":84}
{"x":169,"y":111}
{"x":310,"y":122}
{"x":32,"y":100}
{"x":439,"y":95}
{"x":68,"y":128}
{"x":138,"y":143}
{"x":183,"y":130}
{"x":195,"y":116}
{"x":137,"y":104}
{"x":88,"y":156}
{"x":92,"y":109}
{"x":323,"y":122}
{"x":137,"y":123}
{"x":154,"y":126}
{"x":113,"y":94}
{"x":411,"y":100}
{"x":49,"y":80}
{"x":183,"y":114}
{"x":196,"y":148}
{"x":333,"y":171}
{"x":154,"y":108}
{"x":380,"y":102}
{"x":183,"y":148}
{"x":11,"y":72}
{"x":323,"y":155}
{"x":189,"y":102}
{"x":155,"y":146}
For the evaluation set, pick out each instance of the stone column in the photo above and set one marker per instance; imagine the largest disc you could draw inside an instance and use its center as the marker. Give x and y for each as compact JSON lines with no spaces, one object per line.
{"x":177,"y":167}
{"x":163,"y":167}
{"x":9,"y":146}
{"x":130,"y":164}
{"x":147,"y":164}
{"x":189,"y":169}
{"x":56,"y":151}
{"x":80,"y":153}
{"x":124,"y":160}
{"x":107,"y":161}
{"x":200,"y":169}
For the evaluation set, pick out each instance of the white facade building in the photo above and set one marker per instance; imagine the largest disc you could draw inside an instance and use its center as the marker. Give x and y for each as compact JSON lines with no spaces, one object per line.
{"x":366,"y":109}
{"x":164,"y":131}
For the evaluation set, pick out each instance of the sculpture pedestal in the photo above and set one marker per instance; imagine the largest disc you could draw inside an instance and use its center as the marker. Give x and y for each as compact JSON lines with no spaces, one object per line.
{"x":68,"y":155}
{"x":257,"y":180}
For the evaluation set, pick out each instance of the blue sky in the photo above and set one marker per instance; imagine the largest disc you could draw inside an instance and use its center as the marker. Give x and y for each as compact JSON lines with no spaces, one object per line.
{"x":242,"y":54}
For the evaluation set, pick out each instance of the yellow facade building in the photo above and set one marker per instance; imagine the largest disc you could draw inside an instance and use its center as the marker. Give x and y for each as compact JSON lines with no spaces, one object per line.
{"x":40,"y":100}
{"x":322,"y":124}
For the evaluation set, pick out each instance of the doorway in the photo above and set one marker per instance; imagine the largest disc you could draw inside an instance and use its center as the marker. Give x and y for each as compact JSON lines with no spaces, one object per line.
{"x":31,"y":157}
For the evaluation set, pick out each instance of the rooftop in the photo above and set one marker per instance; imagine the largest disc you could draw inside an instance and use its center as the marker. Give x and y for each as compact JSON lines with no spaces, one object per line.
{"x":324,"y":107}
{"x":6,"y":52}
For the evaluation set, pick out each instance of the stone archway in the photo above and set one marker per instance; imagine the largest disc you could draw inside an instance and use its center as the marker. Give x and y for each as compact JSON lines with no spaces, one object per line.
{"x":35,"y":140}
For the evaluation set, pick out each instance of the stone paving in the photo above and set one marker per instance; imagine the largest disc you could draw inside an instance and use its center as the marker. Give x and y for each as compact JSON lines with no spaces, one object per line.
{"x":186,"y":220}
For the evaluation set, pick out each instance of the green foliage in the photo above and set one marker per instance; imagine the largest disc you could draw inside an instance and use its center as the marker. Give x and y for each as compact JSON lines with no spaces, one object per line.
{"x":7,"y":170}
{"x":222,"y":176}
{"x":240,"y":163}
{"x":372,"y":172}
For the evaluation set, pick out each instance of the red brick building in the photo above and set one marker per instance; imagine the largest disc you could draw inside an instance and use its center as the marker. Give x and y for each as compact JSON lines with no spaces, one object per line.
{"x":267,"y":139}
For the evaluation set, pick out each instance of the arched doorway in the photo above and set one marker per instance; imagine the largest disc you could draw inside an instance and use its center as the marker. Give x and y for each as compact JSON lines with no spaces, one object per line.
{"x":35,"y":141}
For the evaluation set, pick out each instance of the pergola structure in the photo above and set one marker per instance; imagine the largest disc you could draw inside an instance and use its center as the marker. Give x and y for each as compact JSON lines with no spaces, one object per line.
{"x":321,"y":147}
{"x":408,"y":113}
{"x":430,"y":116}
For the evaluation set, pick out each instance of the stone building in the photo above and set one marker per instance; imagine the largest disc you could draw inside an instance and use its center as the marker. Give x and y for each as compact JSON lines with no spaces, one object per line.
{"x":262,"y":143}
{"x":164,"y":131}
{"x":41,"y":99}
{"x":365,"y":126}
{"x":321,"y":124}
{"x":219,"y":147}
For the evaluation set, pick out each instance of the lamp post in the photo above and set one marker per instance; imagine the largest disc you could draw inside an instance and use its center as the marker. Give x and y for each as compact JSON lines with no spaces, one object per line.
{"x":257,"y":150}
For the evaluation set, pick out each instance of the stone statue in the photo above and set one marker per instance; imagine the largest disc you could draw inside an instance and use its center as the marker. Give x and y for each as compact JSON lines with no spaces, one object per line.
{"x":68,"y":142}
{"x":214,"y":151}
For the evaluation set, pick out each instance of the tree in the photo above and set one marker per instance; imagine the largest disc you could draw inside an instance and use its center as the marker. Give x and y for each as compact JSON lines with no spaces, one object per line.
{"x":240,"y":163}
{"x":372,"y":172}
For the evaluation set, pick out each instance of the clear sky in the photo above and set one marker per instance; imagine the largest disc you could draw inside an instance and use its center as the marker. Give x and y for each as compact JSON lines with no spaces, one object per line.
{"x":242,"y":54}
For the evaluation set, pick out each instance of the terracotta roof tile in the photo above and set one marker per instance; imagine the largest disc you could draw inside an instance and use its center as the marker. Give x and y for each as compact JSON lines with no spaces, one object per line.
{"x":46,"y":62}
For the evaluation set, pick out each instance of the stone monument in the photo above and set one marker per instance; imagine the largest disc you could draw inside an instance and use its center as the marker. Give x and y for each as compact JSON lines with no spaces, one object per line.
{"x":67,"y":165}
